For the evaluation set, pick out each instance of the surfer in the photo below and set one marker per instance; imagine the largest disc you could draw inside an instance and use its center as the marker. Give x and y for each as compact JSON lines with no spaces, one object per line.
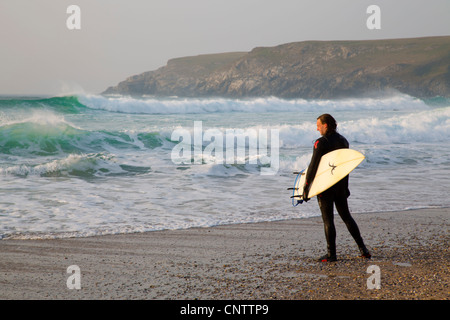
{"x":337,"y":194}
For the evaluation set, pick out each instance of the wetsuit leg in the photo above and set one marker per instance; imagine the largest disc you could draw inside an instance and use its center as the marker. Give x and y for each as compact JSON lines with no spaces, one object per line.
{"x":344,"y":213}
{"x":326,"y":208}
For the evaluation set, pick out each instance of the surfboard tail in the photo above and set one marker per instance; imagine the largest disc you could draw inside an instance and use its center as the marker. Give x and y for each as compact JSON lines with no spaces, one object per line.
{"x":296,"y":198}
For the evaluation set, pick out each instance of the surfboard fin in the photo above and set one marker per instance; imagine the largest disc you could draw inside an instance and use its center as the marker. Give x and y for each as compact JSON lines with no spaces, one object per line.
{"x":292,"y":188}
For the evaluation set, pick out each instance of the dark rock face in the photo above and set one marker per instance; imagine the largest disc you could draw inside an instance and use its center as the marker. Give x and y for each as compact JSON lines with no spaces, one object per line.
{"x":313,"y":69}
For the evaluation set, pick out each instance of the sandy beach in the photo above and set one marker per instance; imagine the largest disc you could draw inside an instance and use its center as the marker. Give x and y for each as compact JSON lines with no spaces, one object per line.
{"x":258,"y":261}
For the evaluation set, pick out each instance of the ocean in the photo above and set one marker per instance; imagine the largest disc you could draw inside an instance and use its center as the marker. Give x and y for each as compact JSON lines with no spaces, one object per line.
{"x":85,"y":165}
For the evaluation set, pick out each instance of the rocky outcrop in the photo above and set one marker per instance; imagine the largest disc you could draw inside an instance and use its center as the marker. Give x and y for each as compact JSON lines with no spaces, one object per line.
{"x":312,"y":69}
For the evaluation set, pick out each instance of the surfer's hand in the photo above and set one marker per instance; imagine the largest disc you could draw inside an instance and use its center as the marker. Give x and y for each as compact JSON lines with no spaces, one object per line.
{"x":305,"y":195}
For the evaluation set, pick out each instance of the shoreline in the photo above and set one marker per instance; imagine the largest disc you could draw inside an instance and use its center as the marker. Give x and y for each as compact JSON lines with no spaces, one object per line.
{"x":39,"y":236}
{"x":250,"y":261}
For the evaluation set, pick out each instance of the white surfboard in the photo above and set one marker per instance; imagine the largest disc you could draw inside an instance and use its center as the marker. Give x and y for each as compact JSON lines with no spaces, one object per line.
{"x":333,"y":167}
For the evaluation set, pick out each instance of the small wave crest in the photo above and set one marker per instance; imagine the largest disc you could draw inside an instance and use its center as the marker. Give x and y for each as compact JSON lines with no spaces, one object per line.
{"x":41,"y":133}
{"x":45,"y":133}
{"x":75,"y":165}
{"x":63,"y":104}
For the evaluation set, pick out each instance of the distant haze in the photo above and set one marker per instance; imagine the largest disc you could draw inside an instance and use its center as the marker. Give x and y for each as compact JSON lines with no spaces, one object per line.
{"x":117,"y":39}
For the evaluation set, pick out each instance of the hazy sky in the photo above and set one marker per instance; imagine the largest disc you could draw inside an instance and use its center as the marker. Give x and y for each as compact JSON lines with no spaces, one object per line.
{"x":118,"y":38}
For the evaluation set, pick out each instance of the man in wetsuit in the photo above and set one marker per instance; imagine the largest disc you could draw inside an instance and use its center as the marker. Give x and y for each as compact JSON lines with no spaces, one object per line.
{"x":337,"y":194}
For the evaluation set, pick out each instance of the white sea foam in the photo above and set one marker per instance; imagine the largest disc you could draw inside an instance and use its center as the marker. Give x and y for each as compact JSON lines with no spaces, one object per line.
{"x":125,"y":104}
{"x":73,"y":164}
{"x":41,"y":117}
{"x":424,"y":126}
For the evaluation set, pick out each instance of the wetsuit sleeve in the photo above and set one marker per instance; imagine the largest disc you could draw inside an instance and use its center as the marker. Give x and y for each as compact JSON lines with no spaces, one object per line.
{"x":318,"y":151}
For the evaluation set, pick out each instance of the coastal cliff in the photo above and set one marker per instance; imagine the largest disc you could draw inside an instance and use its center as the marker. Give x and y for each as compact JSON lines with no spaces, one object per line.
{"x":419,"y":67}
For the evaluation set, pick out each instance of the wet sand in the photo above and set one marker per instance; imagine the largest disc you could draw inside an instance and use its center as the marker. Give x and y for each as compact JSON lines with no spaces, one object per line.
{"x":257,"y":261}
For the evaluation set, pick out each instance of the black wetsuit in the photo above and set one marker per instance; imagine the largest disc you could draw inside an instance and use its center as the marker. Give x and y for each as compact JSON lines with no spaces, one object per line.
{"x":337,"y":194}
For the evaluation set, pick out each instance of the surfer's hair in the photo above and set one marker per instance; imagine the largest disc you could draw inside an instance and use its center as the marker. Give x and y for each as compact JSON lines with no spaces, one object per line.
{"x":330,"y":121}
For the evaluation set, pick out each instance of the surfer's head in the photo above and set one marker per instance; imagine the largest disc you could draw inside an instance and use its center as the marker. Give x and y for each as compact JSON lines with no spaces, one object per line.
{"x":326,"y":124}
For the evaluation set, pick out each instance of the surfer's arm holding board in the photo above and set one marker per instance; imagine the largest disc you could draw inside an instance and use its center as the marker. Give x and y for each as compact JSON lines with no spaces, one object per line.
{"x":318,"y":152}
